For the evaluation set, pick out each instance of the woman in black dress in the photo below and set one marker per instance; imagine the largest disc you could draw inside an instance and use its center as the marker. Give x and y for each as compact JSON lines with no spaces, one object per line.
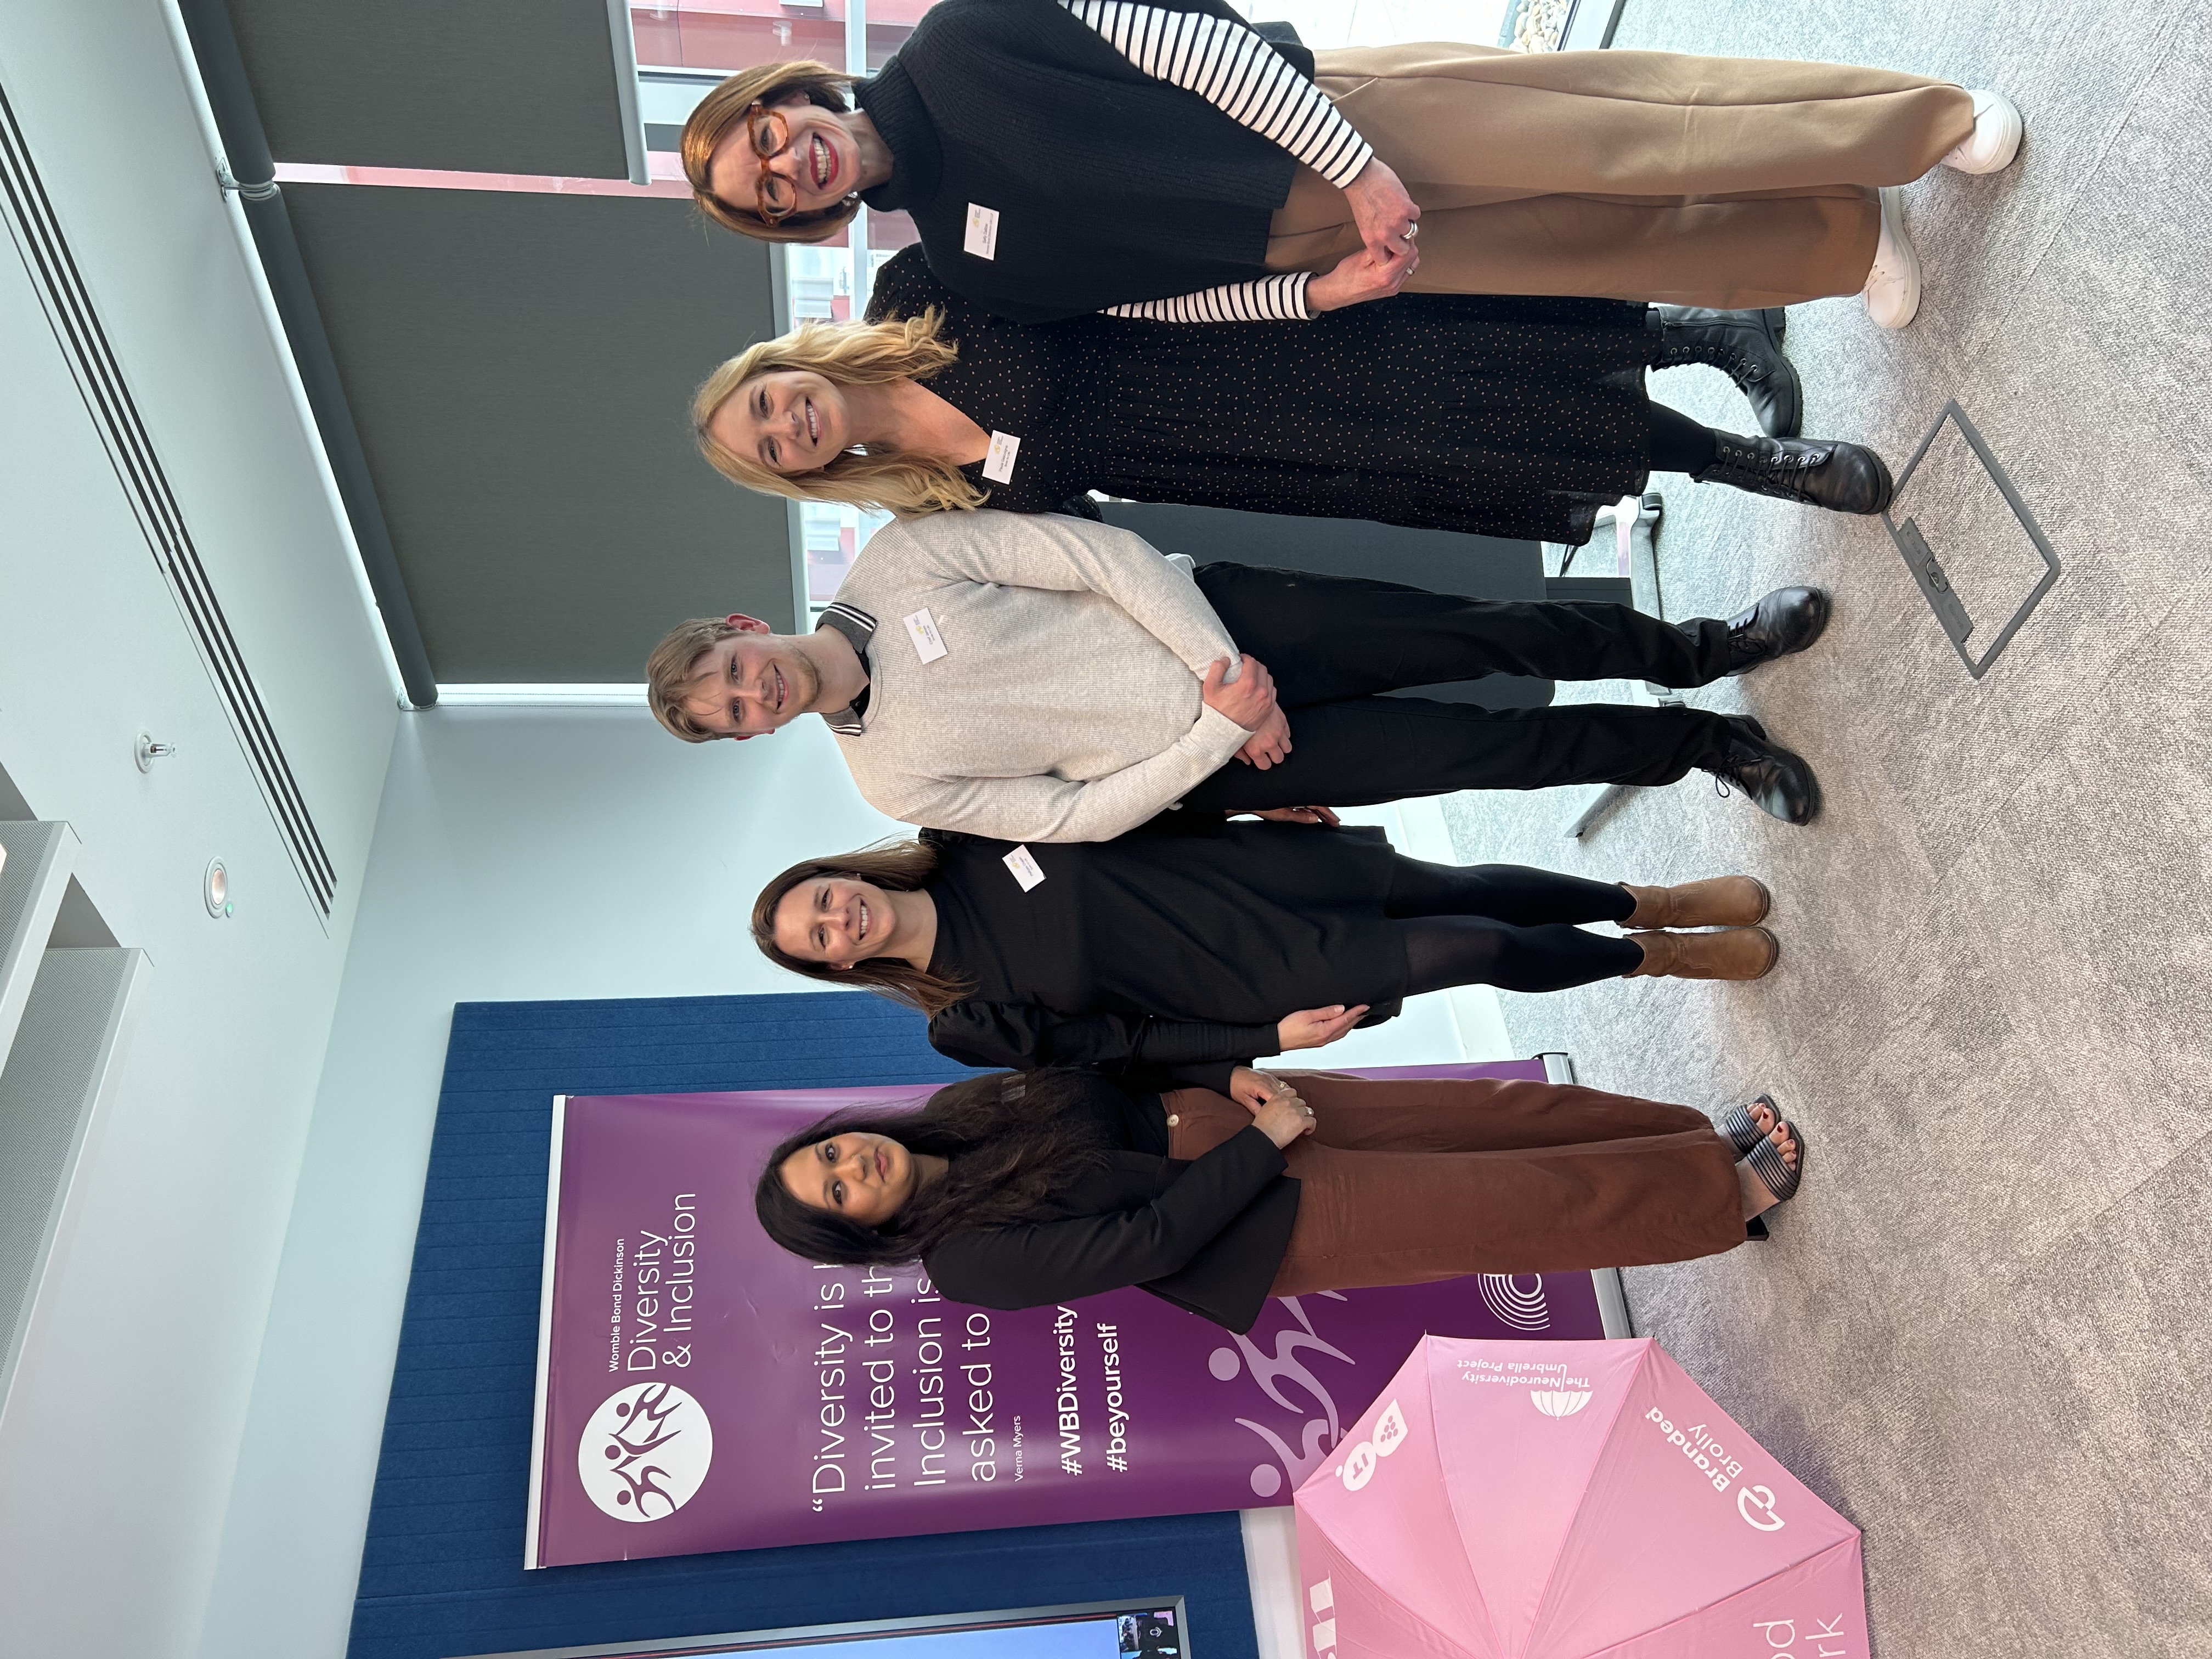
{"x":1220,"y":941}
{"x":1023,"y":1191}
{"x":1516,"y":417}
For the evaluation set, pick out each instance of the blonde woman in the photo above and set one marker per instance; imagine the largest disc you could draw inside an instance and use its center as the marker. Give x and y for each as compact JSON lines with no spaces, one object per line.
{"x":1517,"y":418}
{"x":1074,"y":156}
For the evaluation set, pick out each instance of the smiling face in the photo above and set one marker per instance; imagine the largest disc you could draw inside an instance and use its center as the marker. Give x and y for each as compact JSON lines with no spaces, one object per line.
{"x":750,"y":683}
{"x":792,"y":421}
{"x":835,"y":920}
{"x":820,"y":165}
{"x":864,"y":1177}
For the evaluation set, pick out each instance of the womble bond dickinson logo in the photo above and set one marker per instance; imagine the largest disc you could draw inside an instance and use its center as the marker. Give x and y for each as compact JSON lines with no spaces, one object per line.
{"x":645,"y":1451}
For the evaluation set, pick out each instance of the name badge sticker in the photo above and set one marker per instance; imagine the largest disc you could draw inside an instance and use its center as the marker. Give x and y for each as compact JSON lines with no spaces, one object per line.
{"x":921,"y":628}
{"x":998,"y":464}
{"x":1023,"y":863}
{"x":982,"y":238}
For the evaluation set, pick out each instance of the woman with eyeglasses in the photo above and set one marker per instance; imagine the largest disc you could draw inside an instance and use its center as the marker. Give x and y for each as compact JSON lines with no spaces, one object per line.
{"x":1024,"y":1191}
{"x":1193,"y":942}
{"x":1064,"y":156}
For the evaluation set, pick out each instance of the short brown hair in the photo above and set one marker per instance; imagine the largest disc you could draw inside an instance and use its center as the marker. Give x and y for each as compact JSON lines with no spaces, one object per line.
{"x":723,"y":109}
{"x":673,"y":665}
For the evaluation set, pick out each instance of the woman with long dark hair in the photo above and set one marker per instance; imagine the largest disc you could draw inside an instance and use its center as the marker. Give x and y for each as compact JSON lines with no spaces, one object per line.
{"x":1217,"y":941}
{"x":1021,"y":1190}
{"x":1516,"y":417}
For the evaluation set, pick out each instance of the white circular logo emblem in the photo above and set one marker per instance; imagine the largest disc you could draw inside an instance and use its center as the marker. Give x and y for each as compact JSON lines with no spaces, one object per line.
{"x":1748,"y":1498}
{"x":645,"y":1451}
{"x":1558,"y":1404}
{"x":1524,"y":1310}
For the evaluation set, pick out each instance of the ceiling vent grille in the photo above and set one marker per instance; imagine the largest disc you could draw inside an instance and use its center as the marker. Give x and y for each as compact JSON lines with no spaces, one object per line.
{"x":46,"y":254}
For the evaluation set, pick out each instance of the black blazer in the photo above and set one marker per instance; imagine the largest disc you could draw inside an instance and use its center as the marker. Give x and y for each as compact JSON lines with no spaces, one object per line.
{"x":1027,"y":1037}
{"x":1207,"y":1235}
{"x":1110,"y":186}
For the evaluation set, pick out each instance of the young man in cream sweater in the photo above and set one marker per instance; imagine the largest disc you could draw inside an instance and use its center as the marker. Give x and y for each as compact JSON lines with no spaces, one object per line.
{"x":1048,"y":679}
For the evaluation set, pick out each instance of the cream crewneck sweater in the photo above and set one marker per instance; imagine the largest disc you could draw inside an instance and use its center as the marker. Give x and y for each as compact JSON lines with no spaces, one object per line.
{"x":1066,"y":706}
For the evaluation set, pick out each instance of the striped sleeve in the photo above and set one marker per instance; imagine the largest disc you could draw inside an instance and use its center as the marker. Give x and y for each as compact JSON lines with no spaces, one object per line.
{"x":1266,"y":300}
{"x":1236,"y":71}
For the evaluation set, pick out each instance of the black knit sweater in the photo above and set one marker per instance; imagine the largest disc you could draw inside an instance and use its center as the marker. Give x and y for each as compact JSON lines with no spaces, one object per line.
{"x":1110,"y":186}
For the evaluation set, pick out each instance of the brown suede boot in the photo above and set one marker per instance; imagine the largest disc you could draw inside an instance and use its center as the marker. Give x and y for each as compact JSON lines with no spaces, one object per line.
{"x":1717,"y":902}
{"x":1732,"y":953}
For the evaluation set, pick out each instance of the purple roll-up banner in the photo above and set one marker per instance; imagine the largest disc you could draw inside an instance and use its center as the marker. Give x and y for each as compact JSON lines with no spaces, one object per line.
{"x":699,"y":1389}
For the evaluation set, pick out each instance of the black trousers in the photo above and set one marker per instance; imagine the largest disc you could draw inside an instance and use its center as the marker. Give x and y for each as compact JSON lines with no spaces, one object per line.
{"x":1336,"y":644}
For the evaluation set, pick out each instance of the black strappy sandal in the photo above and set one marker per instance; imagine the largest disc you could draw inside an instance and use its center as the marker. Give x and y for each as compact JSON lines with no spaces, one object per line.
{"x":1737,"y":1127}
{"x":1767,"y":1163}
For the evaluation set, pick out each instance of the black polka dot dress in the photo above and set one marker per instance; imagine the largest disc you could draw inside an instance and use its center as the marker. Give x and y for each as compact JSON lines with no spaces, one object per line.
{"x":1503,"y":416}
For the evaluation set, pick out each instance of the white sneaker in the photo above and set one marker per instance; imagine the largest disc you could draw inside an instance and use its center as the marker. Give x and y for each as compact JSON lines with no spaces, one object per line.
{"x":1995,"y":137}
{"x":1892,"y":286}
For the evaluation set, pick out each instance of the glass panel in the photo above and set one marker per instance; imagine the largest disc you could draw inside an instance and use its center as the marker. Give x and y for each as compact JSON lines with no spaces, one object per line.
{"x":1098,"y":1635}
{"x":1093,"y":1632}
{"x":723,"y":35}
{"x":832,"y":534}
{"x":1325,"y":24}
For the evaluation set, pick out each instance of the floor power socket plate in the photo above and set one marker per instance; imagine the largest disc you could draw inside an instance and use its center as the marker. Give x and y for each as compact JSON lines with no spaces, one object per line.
{"x":1968,"y":539}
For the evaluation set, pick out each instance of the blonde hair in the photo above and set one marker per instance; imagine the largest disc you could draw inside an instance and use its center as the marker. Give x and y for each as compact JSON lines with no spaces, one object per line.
{"x":723,"y":110}
{"x":668,"y":673}
{"x":844,"y":354}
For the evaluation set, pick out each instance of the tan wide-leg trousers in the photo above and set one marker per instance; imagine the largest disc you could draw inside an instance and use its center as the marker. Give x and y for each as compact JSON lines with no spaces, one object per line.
{"x":1734,"y":182}
{"x":1409,"y":1181}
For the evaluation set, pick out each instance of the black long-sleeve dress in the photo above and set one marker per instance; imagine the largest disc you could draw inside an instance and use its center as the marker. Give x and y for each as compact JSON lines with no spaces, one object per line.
{"x":1502,"y":416}
{"x":1167,"y":950}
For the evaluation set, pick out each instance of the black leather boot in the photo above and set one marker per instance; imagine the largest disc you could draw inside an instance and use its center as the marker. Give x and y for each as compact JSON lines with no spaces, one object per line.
{"x":1840,"y":477}
{"x":1744,"y":345}
{"x":1783,"y":621}
{"x":1778,"y":782}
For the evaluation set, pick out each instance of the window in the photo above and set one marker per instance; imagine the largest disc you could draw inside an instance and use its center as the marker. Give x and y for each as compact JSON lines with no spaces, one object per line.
{"x":1148,"y":1630}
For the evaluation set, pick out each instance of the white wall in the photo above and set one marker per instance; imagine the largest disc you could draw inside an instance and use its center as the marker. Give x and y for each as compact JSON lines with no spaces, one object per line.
{"x":520,"y":854}
{"x":126,"y":1415}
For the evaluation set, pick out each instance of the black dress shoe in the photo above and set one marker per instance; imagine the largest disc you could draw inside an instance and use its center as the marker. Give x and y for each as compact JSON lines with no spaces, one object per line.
{"x":1840,"y":477}
{"x":1744,"y":345}
{"x":1779,"y":782}
{"x":1787,"y":620}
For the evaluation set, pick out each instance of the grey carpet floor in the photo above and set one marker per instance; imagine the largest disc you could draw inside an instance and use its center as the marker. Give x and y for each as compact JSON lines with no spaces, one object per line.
{"x":1981,"y":1331}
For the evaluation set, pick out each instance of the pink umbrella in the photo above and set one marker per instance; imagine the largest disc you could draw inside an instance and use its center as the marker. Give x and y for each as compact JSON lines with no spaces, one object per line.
{"x":1561,"y":1500}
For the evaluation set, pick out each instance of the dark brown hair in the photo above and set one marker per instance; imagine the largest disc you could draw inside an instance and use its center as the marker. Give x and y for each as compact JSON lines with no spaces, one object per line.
{"x":896,"y":866}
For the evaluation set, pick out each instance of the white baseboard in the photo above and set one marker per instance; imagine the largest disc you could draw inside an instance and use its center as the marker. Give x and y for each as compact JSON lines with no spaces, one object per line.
{"x":1271,"y":1564}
